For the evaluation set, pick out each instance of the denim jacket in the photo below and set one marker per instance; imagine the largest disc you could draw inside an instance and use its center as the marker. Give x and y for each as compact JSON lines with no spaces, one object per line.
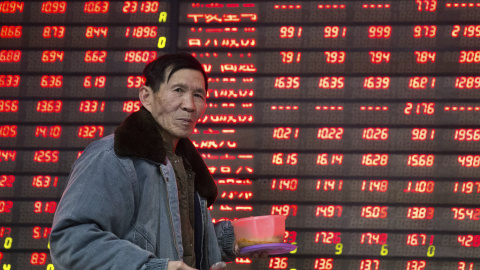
{"x":120,"y":208}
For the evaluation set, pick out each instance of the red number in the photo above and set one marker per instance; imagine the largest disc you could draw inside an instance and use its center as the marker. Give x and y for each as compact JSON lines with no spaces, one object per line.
{"x":334,"y":32}
{"x":11,"y":7}
{"x":49,"y":106}
{"x":380,"y":31}
{"x":52,"y":56}
{"x":140,"y":56}
{"x":429,"y":31}
{"x":53,"y":32}
{"x":10,"y":56}
{"x":469,"y":57}
{"x":285,"y":210}
{"x":375,"y":185}
{"x":420,"y":212}
{"x":45,"y":131}
{"x":426,"y":5}
{"x":38,"y":258}
{"x":93,"y":32}
{"x":285,"y":184}
{"x":39,"y":232}
{"x":52,"y":7}
{"x":467,"y":82}
{"x":280,"y":159}
{"x":95,"y":56}
{"x":329,"y":211}
{"x":278,"y":263}
{"x":287,"y":82}
{"x":461,"y":213}
{"x":6,"y":206}
{"x":379,"y":57}
{"x":323,"y":264}
{"x":8,"y":131}
{"x":131,"y":106}
{"x":44,"y":181}
{"x":469,"y":161}
{"x":51,"y":81}
{"x":335,"y":57}
{"x":92,"y":106}
{"x":421,"y":82}
{"x":98,"y":82}
{"x":290,"y":32}
{"x":11,"y":31}
{"x":324,"y":160}
{"x":469,"y":240}
{"x":420,"y":186}
{"x":375,"y":160}
{"x":375,"y":134}
{"x":285,"y":133}
{"x":377,"y":82}
{"x":330,"y":133}
{"x":369,"y":264}
{"x":6,"y":181}
{"x":96,"y":7}
{"x":425,"y":57}
{"x":421,"y":160}
{"x":374,"y":211}
{"x":135,"y":81}
{"x":142,"y":32}
{"x":328,"y":237}
{"x":89,"y":132}
{"x":427,"y":108}
{"x":373,"y":238}
{"x":8,"y":105}
{"x":9,"y":80}
{"x":331,"y":82}
{"x":46,"y":156}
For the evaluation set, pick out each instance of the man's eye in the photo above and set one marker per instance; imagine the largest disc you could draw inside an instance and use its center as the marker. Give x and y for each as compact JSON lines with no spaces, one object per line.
{"x":177,"y":89}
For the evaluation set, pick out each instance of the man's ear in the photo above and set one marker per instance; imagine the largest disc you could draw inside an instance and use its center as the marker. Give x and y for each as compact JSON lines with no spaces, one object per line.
{"x":145,"y":94}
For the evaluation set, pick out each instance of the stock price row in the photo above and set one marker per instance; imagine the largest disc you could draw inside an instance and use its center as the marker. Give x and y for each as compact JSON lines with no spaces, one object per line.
{"x":289,"y":164}
{"x":231,"y":113}
{"x":415,"y":62}
{"x":248,"y":88}
{"x":345,"y":139}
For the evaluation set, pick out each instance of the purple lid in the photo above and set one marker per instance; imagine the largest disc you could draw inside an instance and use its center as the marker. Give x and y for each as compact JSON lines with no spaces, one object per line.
{"x":271,"y":249}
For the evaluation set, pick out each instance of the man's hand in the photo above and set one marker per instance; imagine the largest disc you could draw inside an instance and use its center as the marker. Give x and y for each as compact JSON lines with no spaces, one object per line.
{"x":178,"y":265}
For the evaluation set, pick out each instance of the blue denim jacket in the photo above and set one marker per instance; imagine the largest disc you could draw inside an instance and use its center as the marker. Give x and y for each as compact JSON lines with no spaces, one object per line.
{"x":121,"y":212}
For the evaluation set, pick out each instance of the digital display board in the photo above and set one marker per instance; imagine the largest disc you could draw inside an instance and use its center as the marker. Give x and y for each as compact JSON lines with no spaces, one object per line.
{"x":358,"y":120}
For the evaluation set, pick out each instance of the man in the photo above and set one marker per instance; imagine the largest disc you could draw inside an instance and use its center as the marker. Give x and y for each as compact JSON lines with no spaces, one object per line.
{"x":138,"y":199}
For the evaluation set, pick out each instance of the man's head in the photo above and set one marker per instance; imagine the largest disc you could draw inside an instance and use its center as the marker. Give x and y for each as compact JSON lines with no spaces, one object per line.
{"x":156,"y":72}
{"x":175,"y":94}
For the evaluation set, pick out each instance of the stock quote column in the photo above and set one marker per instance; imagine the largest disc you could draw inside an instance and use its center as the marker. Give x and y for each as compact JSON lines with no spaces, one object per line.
{"x":358,"y":120}
{"x":69,"y":74}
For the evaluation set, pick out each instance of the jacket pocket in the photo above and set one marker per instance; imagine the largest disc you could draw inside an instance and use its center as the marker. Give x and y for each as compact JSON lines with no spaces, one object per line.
{"x":141,"y":238}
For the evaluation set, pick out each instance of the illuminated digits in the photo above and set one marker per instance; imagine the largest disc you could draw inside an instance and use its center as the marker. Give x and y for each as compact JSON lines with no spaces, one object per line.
{"x":384,"y":250}
{"x":339,"y":249}
{"x":8,"y":243}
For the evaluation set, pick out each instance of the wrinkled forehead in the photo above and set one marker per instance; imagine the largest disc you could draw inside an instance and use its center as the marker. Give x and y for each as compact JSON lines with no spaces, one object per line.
{"x":169,"y":72}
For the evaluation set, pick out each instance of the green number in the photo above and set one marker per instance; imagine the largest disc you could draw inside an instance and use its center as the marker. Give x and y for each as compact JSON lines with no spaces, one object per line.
{"x":431,"y":251}
{"x":384,"y":250}
{"x":339,"y":248}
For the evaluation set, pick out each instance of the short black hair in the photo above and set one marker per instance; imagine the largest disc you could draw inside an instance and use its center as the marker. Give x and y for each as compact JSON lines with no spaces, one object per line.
{"x":155,"y":71}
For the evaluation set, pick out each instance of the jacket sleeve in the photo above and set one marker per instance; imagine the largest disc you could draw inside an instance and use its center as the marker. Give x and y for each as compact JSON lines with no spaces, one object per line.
{"x":96,"y":209}
{"x":226,"y":240}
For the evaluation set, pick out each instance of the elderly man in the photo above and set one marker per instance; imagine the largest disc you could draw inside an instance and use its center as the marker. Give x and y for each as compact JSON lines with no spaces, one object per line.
{"x":138,"y":199}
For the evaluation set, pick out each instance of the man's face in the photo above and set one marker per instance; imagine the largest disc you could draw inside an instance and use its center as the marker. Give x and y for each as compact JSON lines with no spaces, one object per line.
{"x":179,"y":103}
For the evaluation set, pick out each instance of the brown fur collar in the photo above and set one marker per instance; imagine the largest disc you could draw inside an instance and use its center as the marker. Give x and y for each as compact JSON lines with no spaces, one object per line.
{"x":139,"y":136}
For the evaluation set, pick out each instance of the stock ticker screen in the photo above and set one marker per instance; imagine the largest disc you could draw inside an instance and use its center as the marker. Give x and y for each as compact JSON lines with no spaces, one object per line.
{"x":358,"y":120}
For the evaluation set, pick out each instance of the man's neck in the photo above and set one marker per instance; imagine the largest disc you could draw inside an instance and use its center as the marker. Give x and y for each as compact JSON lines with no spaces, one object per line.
{"x":169,"y":141}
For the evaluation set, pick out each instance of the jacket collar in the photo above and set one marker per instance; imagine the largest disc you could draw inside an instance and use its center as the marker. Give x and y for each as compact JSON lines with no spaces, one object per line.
{"x":139,"y":136}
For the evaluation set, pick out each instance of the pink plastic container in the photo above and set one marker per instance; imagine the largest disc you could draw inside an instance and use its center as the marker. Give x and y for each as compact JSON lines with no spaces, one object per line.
{"x":259,"y":230}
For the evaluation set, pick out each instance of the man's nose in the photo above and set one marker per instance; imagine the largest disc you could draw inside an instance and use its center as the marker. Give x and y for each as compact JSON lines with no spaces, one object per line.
{"x":188,"y":103}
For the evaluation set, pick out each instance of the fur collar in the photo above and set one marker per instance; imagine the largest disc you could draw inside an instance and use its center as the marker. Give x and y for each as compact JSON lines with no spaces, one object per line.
{"x":139,"y":136}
